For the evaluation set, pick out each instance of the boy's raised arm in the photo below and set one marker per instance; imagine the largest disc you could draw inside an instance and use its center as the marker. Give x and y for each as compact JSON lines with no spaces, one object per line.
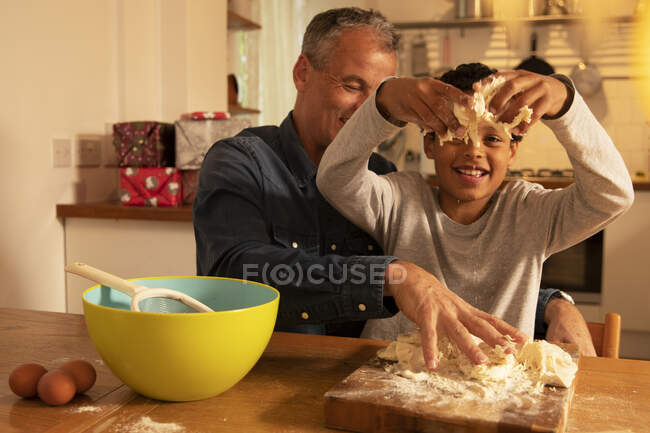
{"x":368,"y":199}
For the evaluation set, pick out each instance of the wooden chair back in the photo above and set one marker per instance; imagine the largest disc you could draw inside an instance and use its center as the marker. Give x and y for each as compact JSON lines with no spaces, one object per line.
{"x":606,"y":336}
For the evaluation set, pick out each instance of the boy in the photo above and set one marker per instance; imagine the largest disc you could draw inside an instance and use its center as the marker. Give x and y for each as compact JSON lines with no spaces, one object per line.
{"x":484,"y":242}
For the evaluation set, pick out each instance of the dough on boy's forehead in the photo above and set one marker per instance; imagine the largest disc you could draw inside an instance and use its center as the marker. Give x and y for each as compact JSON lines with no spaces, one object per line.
{"x":528,"y":368}
{"x":480,"y":111}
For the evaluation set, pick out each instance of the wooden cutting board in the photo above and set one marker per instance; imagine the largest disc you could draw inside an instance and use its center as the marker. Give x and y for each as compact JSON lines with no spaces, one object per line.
{"x":373,"y":400}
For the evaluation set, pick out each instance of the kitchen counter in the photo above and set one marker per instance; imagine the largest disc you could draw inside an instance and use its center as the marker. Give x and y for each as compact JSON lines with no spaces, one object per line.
{"x":114,"y":210}
{"x":283,"y":392}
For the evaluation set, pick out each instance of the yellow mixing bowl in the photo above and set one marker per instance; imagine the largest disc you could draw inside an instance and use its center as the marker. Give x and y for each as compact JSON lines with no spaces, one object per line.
{"x":183,"y":356}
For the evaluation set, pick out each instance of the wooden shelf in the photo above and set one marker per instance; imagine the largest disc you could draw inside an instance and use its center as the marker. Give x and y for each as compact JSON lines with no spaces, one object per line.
{"x":115,"y":210}
{"x":492,"y":22}
{"x":236,"y":109}
{"x":238,"y":22}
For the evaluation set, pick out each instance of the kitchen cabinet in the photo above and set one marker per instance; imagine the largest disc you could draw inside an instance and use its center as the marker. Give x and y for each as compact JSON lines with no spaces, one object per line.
{"x":128,"y":248}
{"x":626,"y":277}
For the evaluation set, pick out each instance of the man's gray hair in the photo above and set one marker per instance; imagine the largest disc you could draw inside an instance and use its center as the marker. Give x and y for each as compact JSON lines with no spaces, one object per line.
{"x":326,"y":27}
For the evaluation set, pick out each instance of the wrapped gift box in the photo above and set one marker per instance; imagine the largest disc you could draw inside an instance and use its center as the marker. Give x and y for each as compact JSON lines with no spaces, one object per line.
{"x":190,"y":184}
{"x":144,"y":144}
{"x":195,"y":137}
{"x":204,"y":115}
{"x":149,"y":186}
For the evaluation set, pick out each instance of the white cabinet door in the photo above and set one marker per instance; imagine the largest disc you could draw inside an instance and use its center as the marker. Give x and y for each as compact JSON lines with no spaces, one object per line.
{"x":626,"y":266}
{"x":127,"y":248}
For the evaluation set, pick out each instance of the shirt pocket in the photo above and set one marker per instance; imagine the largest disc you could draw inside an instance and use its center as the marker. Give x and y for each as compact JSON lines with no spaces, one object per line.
{"x":359,"y":243}
{"x":307,"y":242}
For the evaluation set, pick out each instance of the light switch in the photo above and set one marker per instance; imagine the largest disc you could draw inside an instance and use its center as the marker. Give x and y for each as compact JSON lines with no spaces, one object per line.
{"x":109,"y":156}
{"x":89,"y":150}
{"x":61,"y":152}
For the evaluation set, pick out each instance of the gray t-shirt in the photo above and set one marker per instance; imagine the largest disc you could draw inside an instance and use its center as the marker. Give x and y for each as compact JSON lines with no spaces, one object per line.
{"x":495,"y":263}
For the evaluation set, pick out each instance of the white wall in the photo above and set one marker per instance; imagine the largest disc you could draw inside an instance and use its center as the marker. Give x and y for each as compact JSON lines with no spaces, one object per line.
{"x":69,"y":67}
{"x":55,"y":81}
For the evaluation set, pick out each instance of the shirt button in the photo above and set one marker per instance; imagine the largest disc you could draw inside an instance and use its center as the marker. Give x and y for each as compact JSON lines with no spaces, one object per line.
{"x":333,"y":247}
{"x":304,"y":315}
{"x":362,"y":307}
{"x":371,"y":247}
{"x":294,"y":244}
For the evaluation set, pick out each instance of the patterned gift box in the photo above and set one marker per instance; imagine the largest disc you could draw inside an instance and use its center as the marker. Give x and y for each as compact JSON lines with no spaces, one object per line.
{"x":190,"y":184}
{"x":144,"y":144}
{"x":204,"y":115}
{"x":149,"y":186}
{"x":195,"y":137}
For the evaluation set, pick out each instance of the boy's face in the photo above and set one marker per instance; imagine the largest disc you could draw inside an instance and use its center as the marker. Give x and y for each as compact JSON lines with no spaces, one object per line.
{"x":472,"y":173}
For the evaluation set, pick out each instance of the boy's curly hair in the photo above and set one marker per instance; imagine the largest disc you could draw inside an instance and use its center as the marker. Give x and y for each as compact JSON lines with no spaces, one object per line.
{"x":465,"y":75}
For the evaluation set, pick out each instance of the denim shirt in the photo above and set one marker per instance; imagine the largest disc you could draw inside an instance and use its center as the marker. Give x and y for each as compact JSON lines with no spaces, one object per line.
{"x":258,"y":215}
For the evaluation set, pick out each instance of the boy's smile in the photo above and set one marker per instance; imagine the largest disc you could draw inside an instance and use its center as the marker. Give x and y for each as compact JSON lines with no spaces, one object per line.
{"x":469,"y":175}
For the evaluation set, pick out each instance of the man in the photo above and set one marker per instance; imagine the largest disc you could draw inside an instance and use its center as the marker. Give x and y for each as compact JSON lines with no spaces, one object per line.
{"x":258,"y":214}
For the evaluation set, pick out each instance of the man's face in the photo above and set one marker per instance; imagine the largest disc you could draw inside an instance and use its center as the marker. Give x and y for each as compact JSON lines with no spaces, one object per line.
{"x":472,"y":173}
{"x":328,"y":97}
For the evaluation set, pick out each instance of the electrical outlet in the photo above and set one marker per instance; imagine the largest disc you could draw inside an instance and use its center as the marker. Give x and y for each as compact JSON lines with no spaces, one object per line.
{"x":109,"y":156}
{"x":89,"y":148}
{"x":61,"y":152}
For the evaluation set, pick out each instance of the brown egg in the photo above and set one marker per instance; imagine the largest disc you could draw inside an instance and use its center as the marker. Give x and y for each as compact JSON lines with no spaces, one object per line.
{"x":24,"y":378}
{"x":56,"y":387}
{"x":82,"y":372}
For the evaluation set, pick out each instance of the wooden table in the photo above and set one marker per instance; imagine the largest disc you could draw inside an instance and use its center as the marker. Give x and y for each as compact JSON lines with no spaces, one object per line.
{"x":283,"y":393}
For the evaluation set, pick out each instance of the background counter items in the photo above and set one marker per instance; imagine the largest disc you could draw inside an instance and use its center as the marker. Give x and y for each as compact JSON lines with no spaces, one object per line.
{"x":159,"y":162}
{"x":194,"y":137}
{"x":153,"y":187}
{"x":144,"y":144}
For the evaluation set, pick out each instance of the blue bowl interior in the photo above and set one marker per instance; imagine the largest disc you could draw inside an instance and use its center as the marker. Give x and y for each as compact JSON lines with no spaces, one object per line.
{"x":218,"y":294}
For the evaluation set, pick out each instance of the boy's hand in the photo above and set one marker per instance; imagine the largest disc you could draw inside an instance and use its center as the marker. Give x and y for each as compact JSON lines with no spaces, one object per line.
{"x":424,"y":101}
{"x":435,"y":308}
{"x":545,"y":95}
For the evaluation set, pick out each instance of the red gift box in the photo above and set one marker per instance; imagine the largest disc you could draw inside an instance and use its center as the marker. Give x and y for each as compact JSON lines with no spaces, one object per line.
{"x":150,"y":186}
{"x":190,"y":184}
{"x":206,"y":115}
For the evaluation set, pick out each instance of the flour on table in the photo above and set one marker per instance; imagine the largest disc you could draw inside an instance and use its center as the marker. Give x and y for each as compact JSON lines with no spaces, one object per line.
{"x":147,"y":425}
{"x":526,"y":371}
{"x":81,"y":409}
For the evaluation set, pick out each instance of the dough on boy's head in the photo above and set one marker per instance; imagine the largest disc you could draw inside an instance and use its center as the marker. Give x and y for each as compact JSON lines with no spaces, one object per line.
{"x":463,"y":78}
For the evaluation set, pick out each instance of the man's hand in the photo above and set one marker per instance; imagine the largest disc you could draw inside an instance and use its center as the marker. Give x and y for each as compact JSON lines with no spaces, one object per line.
{"x":424,"y":101}
{"x":566,"y":325}
{"x":436,"y":309}
{"x":545,"y":95}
